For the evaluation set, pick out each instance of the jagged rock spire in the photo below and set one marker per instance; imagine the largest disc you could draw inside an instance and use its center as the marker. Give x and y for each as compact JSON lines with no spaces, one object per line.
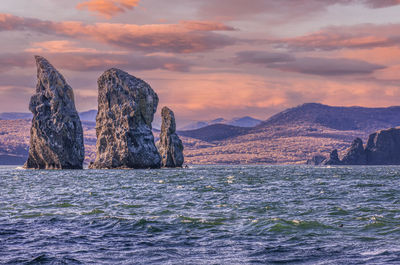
{"x":56,"y":134}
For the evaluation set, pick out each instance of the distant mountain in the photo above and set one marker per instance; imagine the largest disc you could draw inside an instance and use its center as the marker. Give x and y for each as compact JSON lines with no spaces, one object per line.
{"x":89,"y":115}
{"x":239,"y":122}
{"x":215,"y":132}
{"x":195,"y":125}
{"x":15,"y":116}
{"x":244,"y":122}
{"x":339,"y":118}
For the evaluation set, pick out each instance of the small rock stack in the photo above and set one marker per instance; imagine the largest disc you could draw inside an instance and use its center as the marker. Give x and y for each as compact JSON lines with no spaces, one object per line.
{"x":170,"y":146}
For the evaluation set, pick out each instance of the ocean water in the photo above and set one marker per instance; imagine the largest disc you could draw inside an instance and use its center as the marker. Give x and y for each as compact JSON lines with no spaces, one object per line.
{"x":201,"y":215}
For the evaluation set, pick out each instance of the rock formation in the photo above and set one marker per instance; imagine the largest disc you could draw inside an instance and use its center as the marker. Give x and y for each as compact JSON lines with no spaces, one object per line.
{"x":169,"y":146}
{"x":333,"y":159}
{"x":126,"y":107}
{"x":56,"y":134}
{"x":383,"y":148}
{"x":316,"y":160}
{"x":356,"y":154}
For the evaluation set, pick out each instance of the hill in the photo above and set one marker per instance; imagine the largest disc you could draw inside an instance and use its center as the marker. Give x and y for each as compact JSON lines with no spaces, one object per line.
{"x":238,"y":122}
{"x":215,"y":132}
{"x":339,"y":118}
{"x":291,"y":136}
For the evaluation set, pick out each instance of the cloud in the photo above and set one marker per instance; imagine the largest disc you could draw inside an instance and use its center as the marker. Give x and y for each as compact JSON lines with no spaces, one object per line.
{"x":381,"y":3}
{"x":8,"y":61}
{"x":281,"y":10}
{"x":108,"y":8}
{"x":364,"y":36}
{"x":206,"y":26}
{"x":17,"y":79}
{"x":329,"y":67}
{"x":58,"y":46}
{"x":307,"y":65}
{"x":80,"y":61}
{"x":17,"y":97}
{"x":184,"y":37}
{"x":235,"y":94}
{"x":389,"y":74}
{"x":262,"y":57}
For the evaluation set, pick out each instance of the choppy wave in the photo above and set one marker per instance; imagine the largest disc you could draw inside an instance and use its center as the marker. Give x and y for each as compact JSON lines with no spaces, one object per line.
{"x":201,"y":215}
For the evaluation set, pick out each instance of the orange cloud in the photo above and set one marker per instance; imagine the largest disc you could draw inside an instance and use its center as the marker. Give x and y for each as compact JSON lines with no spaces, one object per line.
{"x":185,"y":37}
{"x":58,"y":46}
{"x":108,"y":8}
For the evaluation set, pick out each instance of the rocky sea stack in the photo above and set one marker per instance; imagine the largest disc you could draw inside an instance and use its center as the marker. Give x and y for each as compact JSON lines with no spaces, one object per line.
{"x":356,"y":154}
{"x":383,"y":148}
{"x":333,"y":158}
{"x":316,"y":160}
{"x":126,"y":107}
{"x":56,"y":134}
{"x":170,"y":146}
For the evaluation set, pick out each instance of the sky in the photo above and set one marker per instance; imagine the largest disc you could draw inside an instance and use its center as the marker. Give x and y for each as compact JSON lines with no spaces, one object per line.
{"x":208,"y":58}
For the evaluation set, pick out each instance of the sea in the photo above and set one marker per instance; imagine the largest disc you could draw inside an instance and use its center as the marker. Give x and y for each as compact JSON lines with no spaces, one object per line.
{"x":201,"y":215}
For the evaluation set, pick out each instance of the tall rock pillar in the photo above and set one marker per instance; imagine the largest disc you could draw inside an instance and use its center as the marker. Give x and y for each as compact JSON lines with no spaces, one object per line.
{"x":56,"y":134}
{"x":126,"y":107}
{"x":170,"y":146}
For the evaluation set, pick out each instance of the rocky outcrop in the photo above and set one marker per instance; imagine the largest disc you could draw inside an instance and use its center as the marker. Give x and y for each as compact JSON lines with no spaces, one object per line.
{"x":333,"y":159}
{"x":316,"y":160}
{"x":383,"y":147}
{"x":356,"y":154}
{"x":56,"y":134}
{"x":169,"y":146}
{"x":126,"y":107}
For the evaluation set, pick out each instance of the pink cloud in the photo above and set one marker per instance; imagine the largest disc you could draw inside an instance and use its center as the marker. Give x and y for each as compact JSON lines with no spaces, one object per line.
{"x":282,"y":10}
{"x":206,"y":26}
{"x":378,"y":55}
{"x":185,"y":37}
{"x":8,"y":61}
{"x":364,"y":36}
{"x":108,"y":8}
{"x":58,"y":46}
{"x":81,"y":61}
